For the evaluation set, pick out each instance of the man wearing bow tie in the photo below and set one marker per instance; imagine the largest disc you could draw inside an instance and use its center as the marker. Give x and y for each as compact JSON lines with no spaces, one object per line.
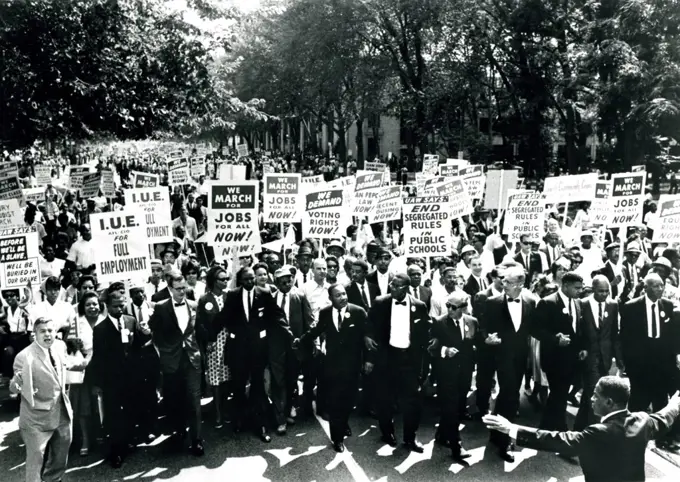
{"x":562,"y":347}
{"x":649,"y":344}
{"x":505,"y":328}
{"x":111,"y":369}
{"x":399,"y":328}
{"x":45,"y":415}
{"x":176,"y":336}
{"x":600,"y":330}
{"x":344,"y":326}
{"x":257,"y":326}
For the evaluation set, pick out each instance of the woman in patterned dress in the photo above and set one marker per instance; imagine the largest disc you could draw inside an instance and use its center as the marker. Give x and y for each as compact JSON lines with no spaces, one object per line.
{"x":209,"y":306}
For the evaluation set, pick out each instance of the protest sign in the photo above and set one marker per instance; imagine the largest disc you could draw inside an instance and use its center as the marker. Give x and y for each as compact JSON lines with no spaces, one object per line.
{"x":431,"y":183}
{"x":524,"y":215}
{"x":122,"y":246}
{"x":176,"y":154}
{"x":43,"y":174}
{"x":498,"y":182}
{"x":326,"y":214}
{"x":389,"y":204}
{"x":366,"y":192}
{"x":638,"y":168}
{"x":178,"y":172}
{"x":282,"y":198}
{"x":9,"y":169}
{"x":267,"y":167}
{"x":232,"y":172}
{"x":345,"y":183}
{"x":197,"y":167}
{"x":19,"y":257}
{"x":427,"y":226}
{"x":142,"y":179}
{"x":312,"y":179}
{"x":599,"y":208}
{"x":10,"y":214}
{"x":626,"y":198}
{"x":242,"y":150}
{"x":108,"y":186}
{"x":454,"y":189}
{"x":473,"y":177}
{"x":34,"y":195}
{"x":154,"y":203}
{"x":667,"y":226}
{"x":457,"y":162}
{"x":91,"y":185}
{"x":10,"y":188}
{"x":374,"y":166}
{"x":448,"y":170}
{"x":75,"y":176}
{"x":232,"y":213}
{"x":566,"y":189}
{"x":430,"y":164}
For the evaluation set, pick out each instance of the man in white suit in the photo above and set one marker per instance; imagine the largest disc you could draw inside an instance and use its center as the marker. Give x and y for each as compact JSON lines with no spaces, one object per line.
{"x":45,"y":417}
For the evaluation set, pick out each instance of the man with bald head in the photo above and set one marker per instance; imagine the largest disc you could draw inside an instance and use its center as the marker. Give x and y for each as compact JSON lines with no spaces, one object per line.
{"x":599,"y":328}
{"x":649,"y":344}
{"x":452,"y":347}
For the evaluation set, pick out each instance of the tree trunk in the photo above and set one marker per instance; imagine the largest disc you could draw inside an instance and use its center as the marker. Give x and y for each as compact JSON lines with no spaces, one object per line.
{"x":359,"y":139}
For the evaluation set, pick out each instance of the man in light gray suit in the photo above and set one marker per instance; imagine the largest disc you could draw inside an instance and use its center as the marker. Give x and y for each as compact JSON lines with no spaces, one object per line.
{"x":45,"y":416}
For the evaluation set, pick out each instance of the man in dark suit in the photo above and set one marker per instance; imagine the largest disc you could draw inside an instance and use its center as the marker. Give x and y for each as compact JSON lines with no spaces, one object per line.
{"x":257,"y":328}
{"x":343,"y":326}
{"x":164,"y":294}
{"x":177,"y":337}
{"x":530,"y":261}
{"x":505,"y":328}
{"x":562,"y":347}
{"x":111,"y":370}
{"x":649,"y":345}
{"x":381,"y":277}
{"x":599,"y":327}
{"x":552,"y":250}
{"x":418,"y":291}
{"x":611,"y":270}
{"x":361,"y":292}
{"x":300,"y":319}
{"x":485,"y":223}
{"x":453,"y":338}
{"x":475,"y":282}
{"x":610,"y":451}
{"x":631,"y":272}
{"x":399,"y":331}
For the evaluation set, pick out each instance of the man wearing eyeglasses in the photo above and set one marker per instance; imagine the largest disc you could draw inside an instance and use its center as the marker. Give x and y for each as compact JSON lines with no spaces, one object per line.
{"x":399,"y":333}
{"x":505,"y":328}
{"x":452,"y":346}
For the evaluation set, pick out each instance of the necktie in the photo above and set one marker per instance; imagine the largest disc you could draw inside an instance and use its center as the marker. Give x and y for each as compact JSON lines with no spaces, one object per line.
{"x":250,"y":304}
{"x":140,"y":318}
{"x":402,"y":303}
{"x":482,"y":284}
{"x":283,"y":301}
{"x":416,"y":292}
{"x":599,"y":318}
{"x":364,"y":298}
{"x":120,"y":323}
{"x":655,"y":333}
{"x":155,"y":289}
{"x":54,"y":363}
{"x":339,"y":319}
{"x":304,"y":277}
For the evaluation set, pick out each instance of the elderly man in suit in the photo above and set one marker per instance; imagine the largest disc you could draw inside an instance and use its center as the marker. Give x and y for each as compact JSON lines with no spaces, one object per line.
{"x":176,"y":336}
{"x":45,"y":414}
{"x":453,"y":338}
{"x":610,"y":451}
{"x":344,"y":326}
{"x":649,"y":345}
{"x":505,"y":328}
{"x":300,"y":319}
{"x":418,"y":291}
{"x":256,"y":325}
{"x":562,"y":347}
{"x":599,"y":327}
{"x":111,"y":370}
{"x":399,"y":329}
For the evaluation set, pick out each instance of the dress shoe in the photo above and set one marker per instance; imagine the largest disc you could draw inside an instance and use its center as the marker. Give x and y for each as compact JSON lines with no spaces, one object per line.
{"x":281,"y":429}
{"x":459,"y":453}
{"x":116,"y":461}
{"x":264,"y":436}
{"x":197,"y":449}
{"x":348,"y":432}
{"x":414,"y":446}
{"x":290,"y":421}
{"x":339,"y":447}
{"x":465,"y":416}
{"x":389,"y":440}
{"x":505,"y":454}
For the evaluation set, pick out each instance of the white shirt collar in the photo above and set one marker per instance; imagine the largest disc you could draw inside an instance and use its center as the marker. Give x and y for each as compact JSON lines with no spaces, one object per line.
{"x":44,"y":350}
{"x":611,"y":414}
{"x":649,"y":302}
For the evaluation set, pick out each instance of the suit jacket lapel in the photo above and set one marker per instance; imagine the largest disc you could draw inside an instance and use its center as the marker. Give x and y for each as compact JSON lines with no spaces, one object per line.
{"x":44,"y":357}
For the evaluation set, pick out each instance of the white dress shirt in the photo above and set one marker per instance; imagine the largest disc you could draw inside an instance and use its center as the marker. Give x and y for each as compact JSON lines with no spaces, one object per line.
{"x":150,"y":289}
{"x":568,"y":302}
{"x":595,"y":307}
{"x":649,"y":305}
{"x":286,"y":305}
{"x":246,"y":302}
{"x":335,"y":317}
{"x":16,"y":320}
{"x":400,"y":325}
{"x":480,"y":282}
{"x":182,"y":314}
{"x":515,"y":310}
{"x":317,"y":295}
{"x":383,"y":281}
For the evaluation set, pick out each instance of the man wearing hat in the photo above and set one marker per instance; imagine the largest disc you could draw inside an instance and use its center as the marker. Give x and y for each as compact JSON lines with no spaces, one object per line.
{"x":466,"y":254}
{"x":304,"y":260}
{"x":611,"y":269}
{"x":631,"y":272}
{"x":300,"y":319}
{"x":381,"y":276}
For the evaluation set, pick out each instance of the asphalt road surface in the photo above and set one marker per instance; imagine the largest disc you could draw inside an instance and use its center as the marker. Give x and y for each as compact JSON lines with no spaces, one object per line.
{"x":305,"y":455}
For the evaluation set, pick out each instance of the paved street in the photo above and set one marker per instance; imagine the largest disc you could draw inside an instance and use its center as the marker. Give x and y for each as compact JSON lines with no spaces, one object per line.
{"x":304,"y":455}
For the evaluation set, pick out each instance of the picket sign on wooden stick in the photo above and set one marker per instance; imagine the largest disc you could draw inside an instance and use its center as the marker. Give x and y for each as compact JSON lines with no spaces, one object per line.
{"x":566,"y":210}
